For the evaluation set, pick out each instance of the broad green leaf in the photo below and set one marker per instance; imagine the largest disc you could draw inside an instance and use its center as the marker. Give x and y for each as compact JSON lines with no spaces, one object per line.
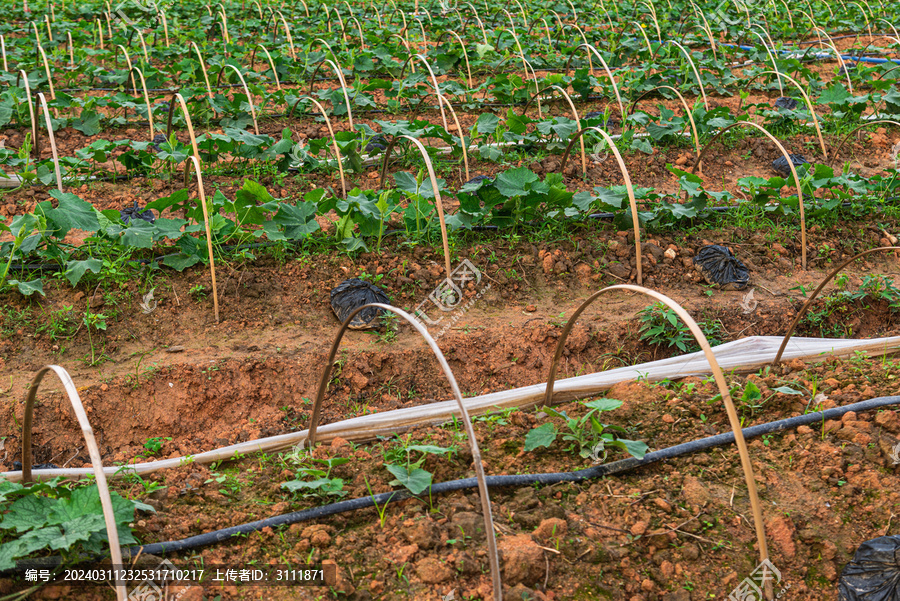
{"x":72,"y":213}
{"x":75,"y":270}
{"x":79,"y":529}
{"x":515,"y":182}
{"x":181,"y":261}
{"x":604,"y":404}
{"x":416,"y":480}
{"x":297,"y":221}
{"x":635,"y":448}
{"x":28,"y":513}
{"x":542,"y":436}
{"x":29,"y":288}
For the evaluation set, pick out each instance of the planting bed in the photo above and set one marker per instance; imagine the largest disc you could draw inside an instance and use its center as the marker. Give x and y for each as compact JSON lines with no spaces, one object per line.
{"x":207,"y":321}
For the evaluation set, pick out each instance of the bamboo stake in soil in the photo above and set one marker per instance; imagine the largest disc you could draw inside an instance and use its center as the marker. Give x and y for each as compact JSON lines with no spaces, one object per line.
{"x":146,"y":99}
{"x":23,"y":77}
{"x":696,"y":73}
{"x":434,"y":188}
{"x":3,"y":50}
{"x":790,"y":163}
{"x":43,"y":102}
{"x":628,"y":187}
{"x":340,"y":75}
{"x":864,"y":125}
{"x":195,"y":162}
{"x":720,"y":382}
{"x":687,"y":111}
{"x":816,"y":292}
{"x":337,"y":151}
{"x":590,"y":48}
{"x":249,"y":98}
{"x":271,"y":64}
{"x":90,"y":442}
{"x":464,"y":415}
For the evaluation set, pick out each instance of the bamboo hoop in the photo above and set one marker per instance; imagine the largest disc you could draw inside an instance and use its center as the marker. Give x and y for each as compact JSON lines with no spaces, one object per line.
{"x":146,"y":100}
{"x":790,"y":165}
{"x":337,"y":150}
{"x":816,"y":292}
{"x":443,"y":100}
{"x":249,"y":98}
{"x":590,"y":48}
{"x":464,"y":414}
{"x":195,"y":161}
{"x":720,"y":382}
{"x":203,"y":69}
{"x":343,"y":86}
{"x":34,"y":128}
{"x":90,"y":442}
{"x":43,"y":102}
{"x":434,"y":186}
{"x":771,"y":58}
{"x":863,"y":126}
{"x":165,"y":23}
{"x":636,"y":224}
{"x":287,"y":31}
{"x":71,"y":51}
{"x":696,"y":73}
{"x":465,"y":55}
{"x":362,"y":41}
{"x":127,"y":62}
{"x":271,"y":63}
{"x":143,"y":46}
{"x":687,"y":111}
{"x":434,"y":82}
{"x":47,"y":70}
{"x":809,"y":105}
{"x":839,"y":57}
{"x":3,"y":49}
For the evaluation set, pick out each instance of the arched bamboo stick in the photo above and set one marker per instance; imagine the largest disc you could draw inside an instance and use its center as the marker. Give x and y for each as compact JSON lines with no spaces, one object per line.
{"x":337,"y":150}
{"x":112,"y":532}
{"x":687,"y":110}
{"x":465,"y":55}
{"x":864,"y":125}
{"x":696,"y":73}
{"x":464,"y":414}
{"x":790,"y":163}
{"x":271,"y":63}
{"x":590,"y":48}
{"x":720,"y":383}
{"x":249,"y":98}
{"x":146,"y":100}
{"x":434,"y":186}
{"x":195,"y":161}
{"x":34,"y":127}
{"x":803,"y":310}
{"x":343,"y":86}
{"x":203,"y":69}
{"x":43,"y":102}
{"x":628,"y":188}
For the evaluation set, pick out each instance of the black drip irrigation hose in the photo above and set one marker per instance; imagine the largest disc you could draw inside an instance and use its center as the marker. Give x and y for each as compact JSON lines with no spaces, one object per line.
{"x":618,"y":467}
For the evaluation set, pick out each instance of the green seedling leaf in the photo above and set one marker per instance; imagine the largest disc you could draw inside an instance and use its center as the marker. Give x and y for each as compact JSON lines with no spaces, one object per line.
{"x":786,"y":390}
{"x":29,"y":288}
{"x":75,"y":270}
{"x":416,"y":480}
{"x":604,"y":404}
{"x":635,"y":448}
{"x":542,"y":436}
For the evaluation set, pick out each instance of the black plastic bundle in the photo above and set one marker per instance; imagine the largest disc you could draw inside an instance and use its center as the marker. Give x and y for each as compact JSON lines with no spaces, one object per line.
{"x":874,"y":573}
{"x":785,"y":103}
{"x":719,"y":267}
{"x":352,"y":294}
{"x":780,"y":165}
{"x":377,"y":144}
{"x":136,"y":212}
{"x":157,"y":140}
